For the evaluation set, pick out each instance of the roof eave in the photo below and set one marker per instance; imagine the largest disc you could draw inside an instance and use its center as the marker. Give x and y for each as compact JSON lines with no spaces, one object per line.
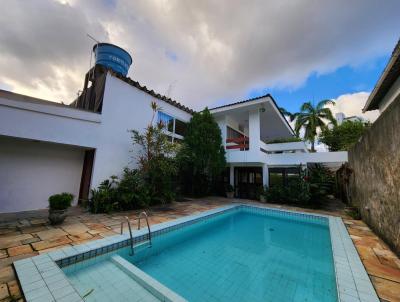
{"x":381,"y":87}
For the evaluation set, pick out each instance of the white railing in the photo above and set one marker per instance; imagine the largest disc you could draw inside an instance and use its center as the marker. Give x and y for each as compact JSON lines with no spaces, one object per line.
{"x":284,"y":147}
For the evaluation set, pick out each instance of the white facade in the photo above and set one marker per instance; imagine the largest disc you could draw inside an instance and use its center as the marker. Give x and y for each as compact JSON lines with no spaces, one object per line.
{"x":43,"y":144}
{"x":31,"y":171}
{"x":261,"y":122}
{"x":70,"y":129}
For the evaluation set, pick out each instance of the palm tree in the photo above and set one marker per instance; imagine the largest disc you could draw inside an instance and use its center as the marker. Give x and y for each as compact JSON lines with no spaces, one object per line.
{"x":286,"y":113}
{"x":312,"y":118}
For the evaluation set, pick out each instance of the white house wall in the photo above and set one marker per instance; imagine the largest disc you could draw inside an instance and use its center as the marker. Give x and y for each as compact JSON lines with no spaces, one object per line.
{"x":48,"y":122}
{"x":124,"y":108}
{"x":32,"y":171}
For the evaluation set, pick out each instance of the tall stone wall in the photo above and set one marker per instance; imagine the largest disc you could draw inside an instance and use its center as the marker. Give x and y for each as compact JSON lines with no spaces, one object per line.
{"x":375,"y":181}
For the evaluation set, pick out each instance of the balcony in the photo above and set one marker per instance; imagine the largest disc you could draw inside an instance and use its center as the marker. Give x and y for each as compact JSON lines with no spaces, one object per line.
{"x":238,"y":143}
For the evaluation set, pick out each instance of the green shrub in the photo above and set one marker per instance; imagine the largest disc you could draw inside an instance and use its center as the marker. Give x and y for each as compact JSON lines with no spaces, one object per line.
{"x":322,"y":182}
{"x":60,"y":201}
{"x":343,"y":137}
{"x":275,"y":193}
{"x":201,"y":157}
{"x":104,"y":199}
{"x":307,"y":190}
{"x":132,"y":192}
{"x":281,"y":140}
{"x":297,"y":191}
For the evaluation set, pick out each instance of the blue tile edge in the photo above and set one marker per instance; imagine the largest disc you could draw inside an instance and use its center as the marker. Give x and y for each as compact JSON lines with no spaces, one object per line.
{"x":344,"y":253}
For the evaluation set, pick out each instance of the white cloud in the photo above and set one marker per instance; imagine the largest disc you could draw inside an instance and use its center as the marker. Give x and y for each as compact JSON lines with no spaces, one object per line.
{"x":221,"y":49}
{"x":349,"y":104}
{"x":352,"y":105}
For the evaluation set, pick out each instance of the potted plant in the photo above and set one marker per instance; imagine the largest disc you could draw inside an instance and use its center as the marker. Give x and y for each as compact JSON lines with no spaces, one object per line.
{"x":230,"y":191}
{"x":58,"y":205}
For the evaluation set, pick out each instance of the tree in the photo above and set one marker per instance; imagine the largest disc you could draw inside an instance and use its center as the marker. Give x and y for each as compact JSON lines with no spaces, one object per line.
{"x":286,"y":113}
{"x":202,"y":156}
{"x":312,"y":118}
{"x":342,"y":137}
{"x":155,"y":160}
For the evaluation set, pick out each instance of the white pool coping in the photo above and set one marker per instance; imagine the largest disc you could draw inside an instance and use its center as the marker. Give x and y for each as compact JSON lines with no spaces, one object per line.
{"x":41,"y":279}
{"x":158,"y":289}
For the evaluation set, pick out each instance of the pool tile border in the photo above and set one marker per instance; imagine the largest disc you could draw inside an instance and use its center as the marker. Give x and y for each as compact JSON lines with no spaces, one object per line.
{"x":353,"y":283}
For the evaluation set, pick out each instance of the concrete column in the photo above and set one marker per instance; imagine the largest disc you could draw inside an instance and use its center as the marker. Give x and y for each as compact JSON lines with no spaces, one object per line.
{"x":265,"y":176}
{"x":232,"y":176}
{"x":254,"y":130}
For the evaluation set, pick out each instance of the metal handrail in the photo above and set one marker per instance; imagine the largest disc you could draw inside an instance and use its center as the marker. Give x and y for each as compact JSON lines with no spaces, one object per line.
{"x":130,"y":233}
{"x":147,"y":221}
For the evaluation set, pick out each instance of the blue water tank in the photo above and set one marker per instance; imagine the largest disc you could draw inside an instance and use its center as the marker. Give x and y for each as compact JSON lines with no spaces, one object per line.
{"x":112,"y":56}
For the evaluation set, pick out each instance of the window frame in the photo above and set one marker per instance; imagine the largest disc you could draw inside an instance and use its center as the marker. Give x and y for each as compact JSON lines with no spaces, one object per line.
{"x":172,"y":134}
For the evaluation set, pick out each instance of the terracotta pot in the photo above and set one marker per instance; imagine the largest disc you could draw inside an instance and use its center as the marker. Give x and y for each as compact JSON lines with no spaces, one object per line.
{"x":230,"y":194}
{"x":57,"y":216}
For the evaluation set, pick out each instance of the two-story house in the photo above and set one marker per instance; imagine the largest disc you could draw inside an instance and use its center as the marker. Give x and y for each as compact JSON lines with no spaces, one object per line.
{"x":48,"y":147}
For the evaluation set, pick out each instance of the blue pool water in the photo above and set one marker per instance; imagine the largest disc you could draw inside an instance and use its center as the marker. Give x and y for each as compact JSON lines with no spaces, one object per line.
{"x":244,"y":256}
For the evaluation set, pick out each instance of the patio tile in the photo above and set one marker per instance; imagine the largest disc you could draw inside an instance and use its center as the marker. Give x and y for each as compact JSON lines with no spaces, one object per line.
{"x":3,"y":254}
{"x":14,"y":290}
{"x":75,"y":228}
{"x":50,"y":234}
{"x":30,"y":240}
{"x":12,"y":240}
{"x":80,"y":237}
{"x":19,"y":250}
{"x":3,"y":291}
{"x":41,"y":245}
{"x":6,"y":274}
{"x":386,"y":289}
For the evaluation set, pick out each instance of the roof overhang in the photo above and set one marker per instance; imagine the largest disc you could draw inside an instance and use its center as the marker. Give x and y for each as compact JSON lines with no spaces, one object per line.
{"x":385,"y":82}
{"x":250,"y":104}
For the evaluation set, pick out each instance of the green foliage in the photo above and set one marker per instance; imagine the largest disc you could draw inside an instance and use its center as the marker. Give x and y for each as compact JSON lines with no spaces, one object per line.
{"x":312,"y":118}
{"x":152,"y":183}
{"x":60,"y":201}
{"x":130,"y":192}
{"x":296,"y":191}
{"x":307,"y":189}
{"x":284,"y":140}
{"x":156,"y":162}
{"x":104,"y":199}
{"x":322,"y":182}
{"x":342,"y":137}
{"x":202,"y":156}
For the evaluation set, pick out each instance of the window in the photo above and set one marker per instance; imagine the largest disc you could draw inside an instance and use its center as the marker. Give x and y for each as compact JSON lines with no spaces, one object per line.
{"x":166,"y":120}
{"x":175,"y":127}
{"x":180,"y":127}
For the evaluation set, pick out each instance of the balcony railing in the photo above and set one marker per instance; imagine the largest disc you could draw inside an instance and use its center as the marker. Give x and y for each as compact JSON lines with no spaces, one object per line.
{"x":241,"y":143}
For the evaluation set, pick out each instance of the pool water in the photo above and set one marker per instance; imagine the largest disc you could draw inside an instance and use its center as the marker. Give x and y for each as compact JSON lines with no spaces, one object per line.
{"x":244,"y":256}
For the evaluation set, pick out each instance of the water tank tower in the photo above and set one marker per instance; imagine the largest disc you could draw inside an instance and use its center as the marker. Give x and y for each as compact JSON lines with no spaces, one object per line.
{"x":113,"y":57}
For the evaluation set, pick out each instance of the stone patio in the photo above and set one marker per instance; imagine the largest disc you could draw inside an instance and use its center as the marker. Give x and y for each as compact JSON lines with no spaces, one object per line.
{"x":27,"y":234}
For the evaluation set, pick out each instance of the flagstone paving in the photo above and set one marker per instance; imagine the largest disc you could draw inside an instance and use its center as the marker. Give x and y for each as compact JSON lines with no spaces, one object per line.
{"x":24,"y":235}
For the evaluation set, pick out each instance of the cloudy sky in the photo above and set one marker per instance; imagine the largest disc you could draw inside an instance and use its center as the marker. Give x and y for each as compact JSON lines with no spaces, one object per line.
{"x":204,"y":53}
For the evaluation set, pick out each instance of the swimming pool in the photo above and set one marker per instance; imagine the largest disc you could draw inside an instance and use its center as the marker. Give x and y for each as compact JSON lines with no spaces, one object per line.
{"x":235,"y":253}
{"x":243,"y":256}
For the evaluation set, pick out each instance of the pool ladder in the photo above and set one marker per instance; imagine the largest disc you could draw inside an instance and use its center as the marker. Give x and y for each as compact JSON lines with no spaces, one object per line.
{"x":130,"y":228}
